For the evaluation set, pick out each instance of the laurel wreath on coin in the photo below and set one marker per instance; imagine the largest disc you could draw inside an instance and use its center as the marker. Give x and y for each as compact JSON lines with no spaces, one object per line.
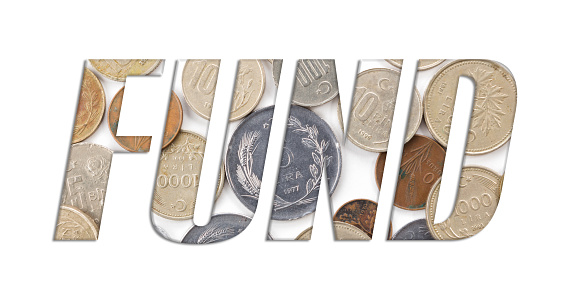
{"x":187,"y":148}
{"x":251,"y":183}
{"x":90,"y":111}
{"x":215,"y":233}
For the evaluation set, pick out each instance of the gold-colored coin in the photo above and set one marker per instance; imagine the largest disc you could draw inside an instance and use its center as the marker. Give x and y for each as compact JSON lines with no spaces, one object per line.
{"x":373,"y":108}
{"x":119,"y":69}
{"x":90,"y":108}
{"x":424,"y":64}
{"x":199,"y":79}
{"x":493,"y":109}
{"x":477,"y":200}
{"x":342,"y":231}
{"x":73,"y":224}
{"x":178,"y":177}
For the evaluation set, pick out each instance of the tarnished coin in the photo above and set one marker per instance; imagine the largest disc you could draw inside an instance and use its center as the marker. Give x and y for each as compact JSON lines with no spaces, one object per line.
{"x":315,"y":83}
{"x":373,"y":108}
{"x":73,"y":224}
{"x":179,"y":175}
{"x":477,"y":200}
{"x":360,"y":213}
{"x":415,"y":230}
{"x":119,"y":69}
{"x":199,"y":80}
{"x":277,"y":64}
{"x":310,"y":146}
{"x":142,"y":143}
{"x":493,"y":109}
{"x":424,"y":64}
{"x":90,"y":108}
{"x":342,"y":231}
{"x":86,"y":178}
{"x":220,"y":228}
{"x":421,"y":165}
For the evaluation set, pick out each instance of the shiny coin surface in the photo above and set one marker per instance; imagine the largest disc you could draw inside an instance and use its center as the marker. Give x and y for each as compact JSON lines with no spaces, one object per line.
{"x":119,"y":69}
{"x":493,"y":109}
{"x":315,"y":83}
{"x":373,"y":108}
{"x":424,"y":64}
{"x":86,"y":178}
{"x":421,"y":166}
{"x":199,"y":80}
{"x":477,"y":200}
{"x":179,"y":175}
{"x":277,"y":64}
{"x":220,"y":228}
{"x":73,"y":224}
{"x":360,"y":213}
{"x":310,"y":146}
{"x":415,"y":230}
{"x":90,"y":108}
{"x":342,"y":231}
{"x":142,"y":143}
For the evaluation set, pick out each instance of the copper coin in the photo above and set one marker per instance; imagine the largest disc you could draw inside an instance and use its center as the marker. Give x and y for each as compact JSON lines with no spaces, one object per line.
{"x":90,"y":108}
{"x":421,"y":166}
{"x":360,"y":213}
{"x":142,"y":143}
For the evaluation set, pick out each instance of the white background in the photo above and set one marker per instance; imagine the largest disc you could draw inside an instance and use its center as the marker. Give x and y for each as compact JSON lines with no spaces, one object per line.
{"x":521,"y":255}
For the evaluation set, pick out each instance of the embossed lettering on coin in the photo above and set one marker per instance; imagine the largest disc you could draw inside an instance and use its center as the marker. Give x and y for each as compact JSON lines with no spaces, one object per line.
{"x":179,"y":175}
{"x":477,"y":200}
{"x":342,"y":231}
{"x":424,"y":64}
{"x":73,"y":224}
{"x":421,"y":165}
{"x":315,"y":83}
{"x":493,"y":109}
{"x":199,"y":80}
{"x":86,"y":178}
{"x":119,"y":69}
{"x":373,"y":108}
{"x":142,"y":143}
{"x":220,"y":228}
{"x":415,"y":230}
{"x":360,"y":213}
{"x":90,"y":108}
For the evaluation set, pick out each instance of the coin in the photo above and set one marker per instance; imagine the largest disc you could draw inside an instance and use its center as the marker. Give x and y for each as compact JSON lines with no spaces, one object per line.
{"x":162,"y":232}
{"x":220,"y":228}
{"x":493,"y":109}
{"x":73,"y":224}
{"x":421,"y":165}
{"x":424,"y":64}
{"x":360,"y":213}
{"x":90,"y":108}
{"x":310,"y":145}
{"x":373,"y":108}
{"x":415,"y":230}
{"x":85,"y":182}
{"x":342,"y":231}
{"x":199,"y":79}
{"x":119,"y":69}
{"x":316,"y":82}
{"x":276,"y":64}
{"x":477,"y":200}
{"x":179,"y":175}
{"x":142,"y":143}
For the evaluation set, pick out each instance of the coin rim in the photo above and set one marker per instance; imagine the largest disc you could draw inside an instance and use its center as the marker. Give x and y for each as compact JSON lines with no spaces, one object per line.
{"x":293,"y":101}
{"x":82,"y":215}
{"x":354,"y":200}
{"x":102,"y":112}
{"x":211,"y":217}
{"x":426,"y":67}
{"x":409,"y":223}
{"x":119,"y":79}
{"x":342,"y":224}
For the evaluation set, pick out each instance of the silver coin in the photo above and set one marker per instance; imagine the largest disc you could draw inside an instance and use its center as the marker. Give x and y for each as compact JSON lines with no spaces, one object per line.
{"x":315,"y":83}
{"x":415,"y":230}
{"x":85,"y":182}
{"x":220,"y":228}
{"x":277,"y":63}
{"x":162,"y":232}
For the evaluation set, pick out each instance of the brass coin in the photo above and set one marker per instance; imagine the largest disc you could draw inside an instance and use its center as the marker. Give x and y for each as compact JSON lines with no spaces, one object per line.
{"x":142,"y":143}
{"x":421,"y":165}
{"x":477,"y":200}
{"x":199,"y":79}
{"x":424,"y":64}
{"x":360,"y":213}
{"x":73,"y":224}
{"x":373,"y":108}
{"x":119,"y":69}
{"x":90,"y":108}
{"x":342,"y":231}
{"x":493,"y":110}
{"x":178,"y":177}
